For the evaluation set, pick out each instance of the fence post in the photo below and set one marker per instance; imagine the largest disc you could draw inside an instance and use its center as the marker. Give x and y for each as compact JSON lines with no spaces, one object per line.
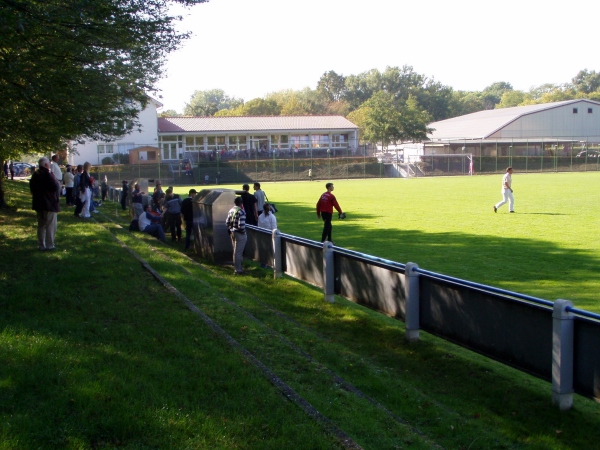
{"x":562,"y":355}
{"x":277,"y":256}
{"x":328,"y":272}
{"x":411,"y":293}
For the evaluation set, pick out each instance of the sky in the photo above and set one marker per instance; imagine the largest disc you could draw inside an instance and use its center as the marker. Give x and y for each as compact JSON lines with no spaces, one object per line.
{"x":249,"y":48}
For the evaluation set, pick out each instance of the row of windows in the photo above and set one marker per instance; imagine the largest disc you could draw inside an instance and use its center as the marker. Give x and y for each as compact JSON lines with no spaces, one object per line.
{"x":590,"y":110}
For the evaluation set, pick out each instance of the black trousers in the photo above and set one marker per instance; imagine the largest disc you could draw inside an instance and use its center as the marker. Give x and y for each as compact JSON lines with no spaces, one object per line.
{"x":326,"y":236}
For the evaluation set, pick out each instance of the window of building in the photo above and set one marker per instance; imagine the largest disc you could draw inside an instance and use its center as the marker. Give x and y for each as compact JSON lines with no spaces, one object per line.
{"x":320,"y":140}
{"x":194,"y":143}
{"x":339,"y":140}
{"x":299,"y":141}
{"x":125,"y":147}
{"x":574,"y":110}
{"x":106,"y":148}
{"x":590,"y":111}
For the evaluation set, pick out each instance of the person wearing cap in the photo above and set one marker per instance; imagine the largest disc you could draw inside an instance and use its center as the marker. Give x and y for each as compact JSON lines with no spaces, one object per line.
{"x":187,"y":211}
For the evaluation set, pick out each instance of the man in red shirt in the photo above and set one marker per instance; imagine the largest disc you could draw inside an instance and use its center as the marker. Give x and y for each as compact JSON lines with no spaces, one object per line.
{"x":325,"y":207}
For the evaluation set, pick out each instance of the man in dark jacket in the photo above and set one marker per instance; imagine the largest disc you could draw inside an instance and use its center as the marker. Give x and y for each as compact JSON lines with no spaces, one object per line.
{"x":45,"y":190}
{"x":187,"y":210}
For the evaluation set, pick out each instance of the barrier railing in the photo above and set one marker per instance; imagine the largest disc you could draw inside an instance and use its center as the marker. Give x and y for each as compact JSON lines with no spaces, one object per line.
{"x":551,"y":340}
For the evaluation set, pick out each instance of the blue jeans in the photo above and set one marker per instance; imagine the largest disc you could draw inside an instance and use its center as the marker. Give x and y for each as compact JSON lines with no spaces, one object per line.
{"x":155,"y":230}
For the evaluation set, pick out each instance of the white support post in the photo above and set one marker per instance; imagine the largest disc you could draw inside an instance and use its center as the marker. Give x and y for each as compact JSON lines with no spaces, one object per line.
{"x":277,"y":256}
{"x":411,"y":293}
{"x":562,"y":355}
{"x":328,"y":272}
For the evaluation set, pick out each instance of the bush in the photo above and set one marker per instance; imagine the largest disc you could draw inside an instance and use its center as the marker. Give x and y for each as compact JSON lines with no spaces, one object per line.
{"x":121,"y":158}
{"x":107,"y":161}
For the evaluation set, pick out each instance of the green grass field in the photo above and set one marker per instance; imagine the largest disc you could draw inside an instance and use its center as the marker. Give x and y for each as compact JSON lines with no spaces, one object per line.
{"x":96,"y":354}
{"x":549,"y":248}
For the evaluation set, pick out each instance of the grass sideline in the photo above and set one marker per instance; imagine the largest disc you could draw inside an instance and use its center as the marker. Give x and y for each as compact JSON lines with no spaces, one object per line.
{"x":97,"y":355}
{"x":548,"y":249}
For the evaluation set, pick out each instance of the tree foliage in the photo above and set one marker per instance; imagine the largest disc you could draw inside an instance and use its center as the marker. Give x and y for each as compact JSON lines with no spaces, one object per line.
{"x":209,"y":102}
{"x":78,"y":68}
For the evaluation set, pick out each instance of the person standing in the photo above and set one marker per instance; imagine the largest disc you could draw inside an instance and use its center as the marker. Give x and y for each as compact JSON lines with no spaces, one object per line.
{"x":5,"y":168}
{"x":260,"y":198}
{"x":137,"y":200}
{"x":85,"y":190}
{"x":249,"y":202}
{"x":76,"y":194}
{"x":11,"y":168}
{"x":55,"y":168}
{"x":236,"y":223}
{"x":507,"y":192}
{"x":325,"y":206}
{"x":45,"y":189}
{"x":124,"y":193}
{"x":173,"y":209}
{"x":69,"y":182}
{"x":104,"y":188}
{"x":187,"y":211}
{"x":157,"y":196}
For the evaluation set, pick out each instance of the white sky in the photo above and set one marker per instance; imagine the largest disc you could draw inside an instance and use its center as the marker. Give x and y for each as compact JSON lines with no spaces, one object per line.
{"x":249,"y":48}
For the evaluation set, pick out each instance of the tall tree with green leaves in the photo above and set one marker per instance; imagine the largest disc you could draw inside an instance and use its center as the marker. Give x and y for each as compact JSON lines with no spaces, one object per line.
{"x":209,"y":102}
{"x":79,"y":68}
{"x":332,"y":86}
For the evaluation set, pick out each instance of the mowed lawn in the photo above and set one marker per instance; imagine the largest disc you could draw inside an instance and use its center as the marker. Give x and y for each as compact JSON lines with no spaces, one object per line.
{"x":550,"y":248}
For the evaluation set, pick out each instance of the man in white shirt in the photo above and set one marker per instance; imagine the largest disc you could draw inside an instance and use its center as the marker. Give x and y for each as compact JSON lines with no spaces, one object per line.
{"x":260,"y":198}
{"x":507,"y":192}
{"x":55,"y":168}
{"x":150,"y":224}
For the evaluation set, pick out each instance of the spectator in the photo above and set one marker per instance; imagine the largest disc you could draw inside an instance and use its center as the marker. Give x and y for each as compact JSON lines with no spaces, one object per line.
{"x":104,"y":188}
{"x":187,"y":210}
{"x":76,"y":192}
{"x":44,"y":189}
{"x":55,"y":168}
{"x":173,"y":209}
{"x":85,"y":190}
{"x":260,"y":198}
{"x":267,"y":220}
{"x":150,"y":223}
{"x":136,"y":200}
{"x":69,"y":179}
{"x":236,"y":224}
{"x":249,"y":201}
{"x":124,"y":193}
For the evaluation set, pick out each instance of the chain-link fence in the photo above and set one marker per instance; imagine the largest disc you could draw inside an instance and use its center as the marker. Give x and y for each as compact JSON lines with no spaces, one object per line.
{"x":477,"y":158}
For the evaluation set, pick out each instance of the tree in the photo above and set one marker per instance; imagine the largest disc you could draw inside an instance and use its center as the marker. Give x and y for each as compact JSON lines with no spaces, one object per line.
{"x":169,"y":113}
{"x":382,"y":120}
{"x":511,"y":98}
{"x":78,"y":68}
{"x":208,"y":103}
{"x":586,"y":81}
{"x":332,"y":86}
{"x":492,"y":94}
{"x":414,"y":120}
{"x":255,"y":107}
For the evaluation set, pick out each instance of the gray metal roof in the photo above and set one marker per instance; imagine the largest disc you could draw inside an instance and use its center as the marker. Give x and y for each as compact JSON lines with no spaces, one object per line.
{"x":483,"y":124}
{"x":253,"y":123}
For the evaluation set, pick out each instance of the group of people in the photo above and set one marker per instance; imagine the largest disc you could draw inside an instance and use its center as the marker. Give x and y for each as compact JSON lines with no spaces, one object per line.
{"x":164,"y":213}
{"x":252,"y":209}
{"x":9,"y":168}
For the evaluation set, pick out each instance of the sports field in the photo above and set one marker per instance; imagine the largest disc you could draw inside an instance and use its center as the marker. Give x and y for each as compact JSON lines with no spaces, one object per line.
{"x":550,"y":248}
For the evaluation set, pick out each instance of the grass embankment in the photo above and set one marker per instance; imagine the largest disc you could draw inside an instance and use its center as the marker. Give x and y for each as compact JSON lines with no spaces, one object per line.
{"x":97,"y":354}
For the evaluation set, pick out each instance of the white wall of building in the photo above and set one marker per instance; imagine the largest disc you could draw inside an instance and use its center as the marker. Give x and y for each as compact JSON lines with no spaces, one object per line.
{"x":559,"y":122}
{"x":148,"y":135}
